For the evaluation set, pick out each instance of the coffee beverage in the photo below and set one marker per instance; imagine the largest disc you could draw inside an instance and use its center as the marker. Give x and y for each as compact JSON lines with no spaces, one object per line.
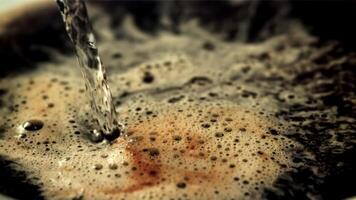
{"x":205,"y":117}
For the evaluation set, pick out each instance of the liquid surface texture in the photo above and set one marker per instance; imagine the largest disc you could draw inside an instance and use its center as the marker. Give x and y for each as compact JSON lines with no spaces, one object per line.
{"x":206,"y":117}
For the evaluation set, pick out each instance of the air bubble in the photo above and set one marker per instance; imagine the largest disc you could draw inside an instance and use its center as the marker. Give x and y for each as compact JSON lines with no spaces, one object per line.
{"x":98,"y":166}
{"x":181,"y":185}
{"x":33,"y":125}
{"x":113,"y":166}
{"x":219,"y":134}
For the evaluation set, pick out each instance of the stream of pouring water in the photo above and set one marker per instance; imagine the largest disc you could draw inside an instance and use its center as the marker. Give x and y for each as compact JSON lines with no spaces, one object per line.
{"x":80,"y":32}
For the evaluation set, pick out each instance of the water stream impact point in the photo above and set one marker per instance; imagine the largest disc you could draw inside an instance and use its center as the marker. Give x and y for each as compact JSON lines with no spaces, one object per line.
{"x":80,"y":32}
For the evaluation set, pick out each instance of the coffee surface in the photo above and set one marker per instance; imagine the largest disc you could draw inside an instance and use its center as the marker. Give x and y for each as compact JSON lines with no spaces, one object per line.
{"x":205,"y":118}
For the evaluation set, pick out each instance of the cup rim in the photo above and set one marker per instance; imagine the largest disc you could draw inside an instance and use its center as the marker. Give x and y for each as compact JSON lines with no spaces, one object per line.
{"x":19,"y":9}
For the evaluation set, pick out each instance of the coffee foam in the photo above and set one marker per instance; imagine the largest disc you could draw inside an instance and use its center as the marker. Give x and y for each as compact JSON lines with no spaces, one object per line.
{"x":191,"y":132}
{"x":176,"y":151}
